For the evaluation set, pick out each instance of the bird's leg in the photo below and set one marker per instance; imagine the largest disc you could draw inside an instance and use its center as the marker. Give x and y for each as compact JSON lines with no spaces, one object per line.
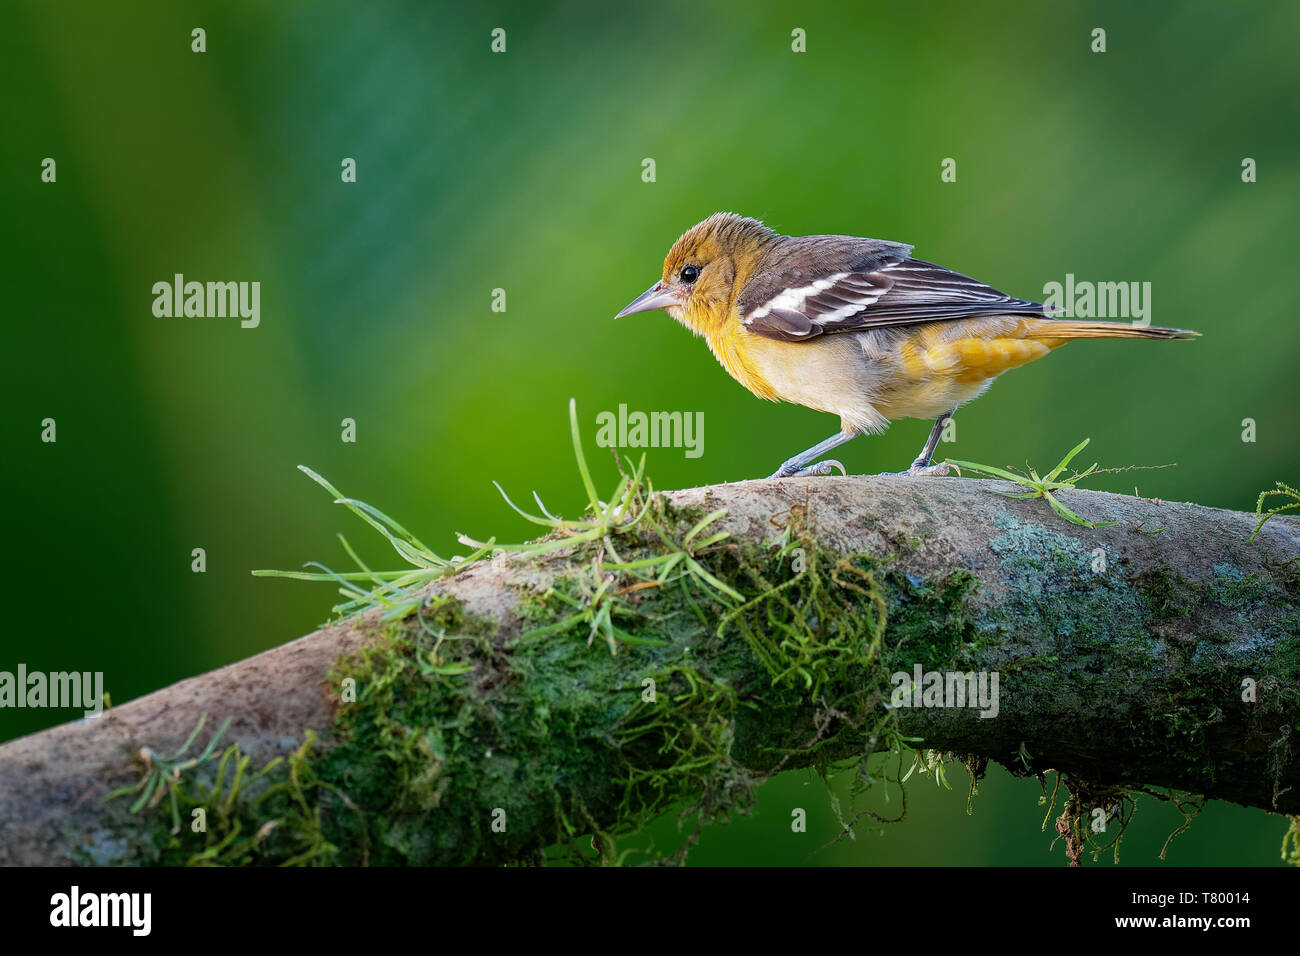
{"x":801,"y":464}
{"x":922,"y":466}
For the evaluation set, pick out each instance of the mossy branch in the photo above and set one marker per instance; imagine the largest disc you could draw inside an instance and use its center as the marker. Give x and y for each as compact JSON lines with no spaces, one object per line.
{"x":755,"y":627}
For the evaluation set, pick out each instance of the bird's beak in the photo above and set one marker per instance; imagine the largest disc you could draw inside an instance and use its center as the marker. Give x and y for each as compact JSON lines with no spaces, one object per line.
{"x":655,"y":297}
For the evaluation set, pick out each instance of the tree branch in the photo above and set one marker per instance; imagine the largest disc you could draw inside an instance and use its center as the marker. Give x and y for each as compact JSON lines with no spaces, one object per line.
{"x":1125,"y":658}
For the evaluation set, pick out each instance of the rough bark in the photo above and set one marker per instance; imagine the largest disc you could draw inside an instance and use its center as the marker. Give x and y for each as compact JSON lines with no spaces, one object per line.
{"x":1125,"y":676}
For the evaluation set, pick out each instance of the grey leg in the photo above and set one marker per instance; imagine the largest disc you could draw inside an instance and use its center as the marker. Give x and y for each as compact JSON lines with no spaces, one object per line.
{"x":800,"y":464}
{"x":922,"y":464}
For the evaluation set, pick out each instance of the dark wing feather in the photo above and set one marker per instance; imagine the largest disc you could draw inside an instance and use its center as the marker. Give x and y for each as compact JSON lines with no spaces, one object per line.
{"x":924,"y":292}
{"x":784,"y":325}
{"x":817,"y":285}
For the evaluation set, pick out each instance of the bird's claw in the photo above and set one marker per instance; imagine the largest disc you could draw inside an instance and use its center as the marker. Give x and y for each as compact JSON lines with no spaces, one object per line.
{"x":940,"y":470}
{"x":820,"y":468}
{"x":823,"y":468}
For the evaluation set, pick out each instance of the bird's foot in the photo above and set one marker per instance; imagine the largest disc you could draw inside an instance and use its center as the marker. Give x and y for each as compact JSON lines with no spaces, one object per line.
{"x":820,"y":468}
{"x":918,"y":470}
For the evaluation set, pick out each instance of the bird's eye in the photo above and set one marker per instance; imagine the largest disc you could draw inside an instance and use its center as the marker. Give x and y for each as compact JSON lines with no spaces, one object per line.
{"x":690,"y":274}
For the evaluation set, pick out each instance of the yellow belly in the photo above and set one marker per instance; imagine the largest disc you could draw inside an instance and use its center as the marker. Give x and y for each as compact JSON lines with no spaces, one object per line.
{"x":872,"y":377}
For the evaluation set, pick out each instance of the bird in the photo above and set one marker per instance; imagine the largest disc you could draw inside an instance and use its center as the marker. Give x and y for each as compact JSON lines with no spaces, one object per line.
{"x":854,"y":327}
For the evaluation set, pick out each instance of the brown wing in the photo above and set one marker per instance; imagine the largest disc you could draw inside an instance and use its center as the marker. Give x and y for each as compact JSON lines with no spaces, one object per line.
{"x":818,"y":285}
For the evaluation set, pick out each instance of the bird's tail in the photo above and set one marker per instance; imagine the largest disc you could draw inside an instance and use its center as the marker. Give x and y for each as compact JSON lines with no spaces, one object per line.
{"x":1083,"y":329}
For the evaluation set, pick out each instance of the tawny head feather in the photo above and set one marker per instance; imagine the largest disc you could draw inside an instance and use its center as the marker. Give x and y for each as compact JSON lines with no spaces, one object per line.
{"x":707,"y":265}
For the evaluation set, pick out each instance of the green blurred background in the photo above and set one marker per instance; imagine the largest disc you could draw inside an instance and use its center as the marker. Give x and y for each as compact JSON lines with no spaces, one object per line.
{"x":522,"y":171}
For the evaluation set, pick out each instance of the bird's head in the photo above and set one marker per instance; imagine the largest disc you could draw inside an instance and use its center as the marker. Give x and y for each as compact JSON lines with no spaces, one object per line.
{"x":704,"y":270}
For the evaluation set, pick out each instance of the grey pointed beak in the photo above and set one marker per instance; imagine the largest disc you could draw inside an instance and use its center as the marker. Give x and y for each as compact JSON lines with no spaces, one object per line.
{"x":655,"y":297}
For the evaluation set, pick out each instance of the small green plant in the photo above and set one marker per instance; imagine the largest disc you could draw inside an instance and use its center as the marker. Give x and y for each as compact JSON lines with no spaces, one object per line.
{"x":395,"y":591}
{"x":597,"y":602}
{"x":930,"y":761}
{"x":401,"y":592}
{"x":680,"y":560}
{"x":1281,"y":491}
{"x":162,"y":774}
{"x":1045,"y":486}
{"x":601,"y":584}
{"x":620,"y":514}
{"x":269,"y":815}
{"x":601,"y":596}
{"x":283,"y":797}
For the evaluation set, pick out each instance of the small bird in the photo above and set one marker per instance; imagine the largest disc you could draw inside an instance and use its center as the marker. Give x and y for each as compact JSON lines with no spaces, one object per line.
{"x":854,"y":327}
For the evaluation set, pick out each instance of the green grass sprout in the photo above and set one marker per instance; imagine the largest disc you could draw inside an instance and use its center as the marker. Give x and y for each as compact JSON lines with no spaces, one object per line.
{"x":1045,"y":486}
{"x":401,"y":592}
{"x":623,"y":511}
{"x":1281,"y":491}
{"x":395,"y":591}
